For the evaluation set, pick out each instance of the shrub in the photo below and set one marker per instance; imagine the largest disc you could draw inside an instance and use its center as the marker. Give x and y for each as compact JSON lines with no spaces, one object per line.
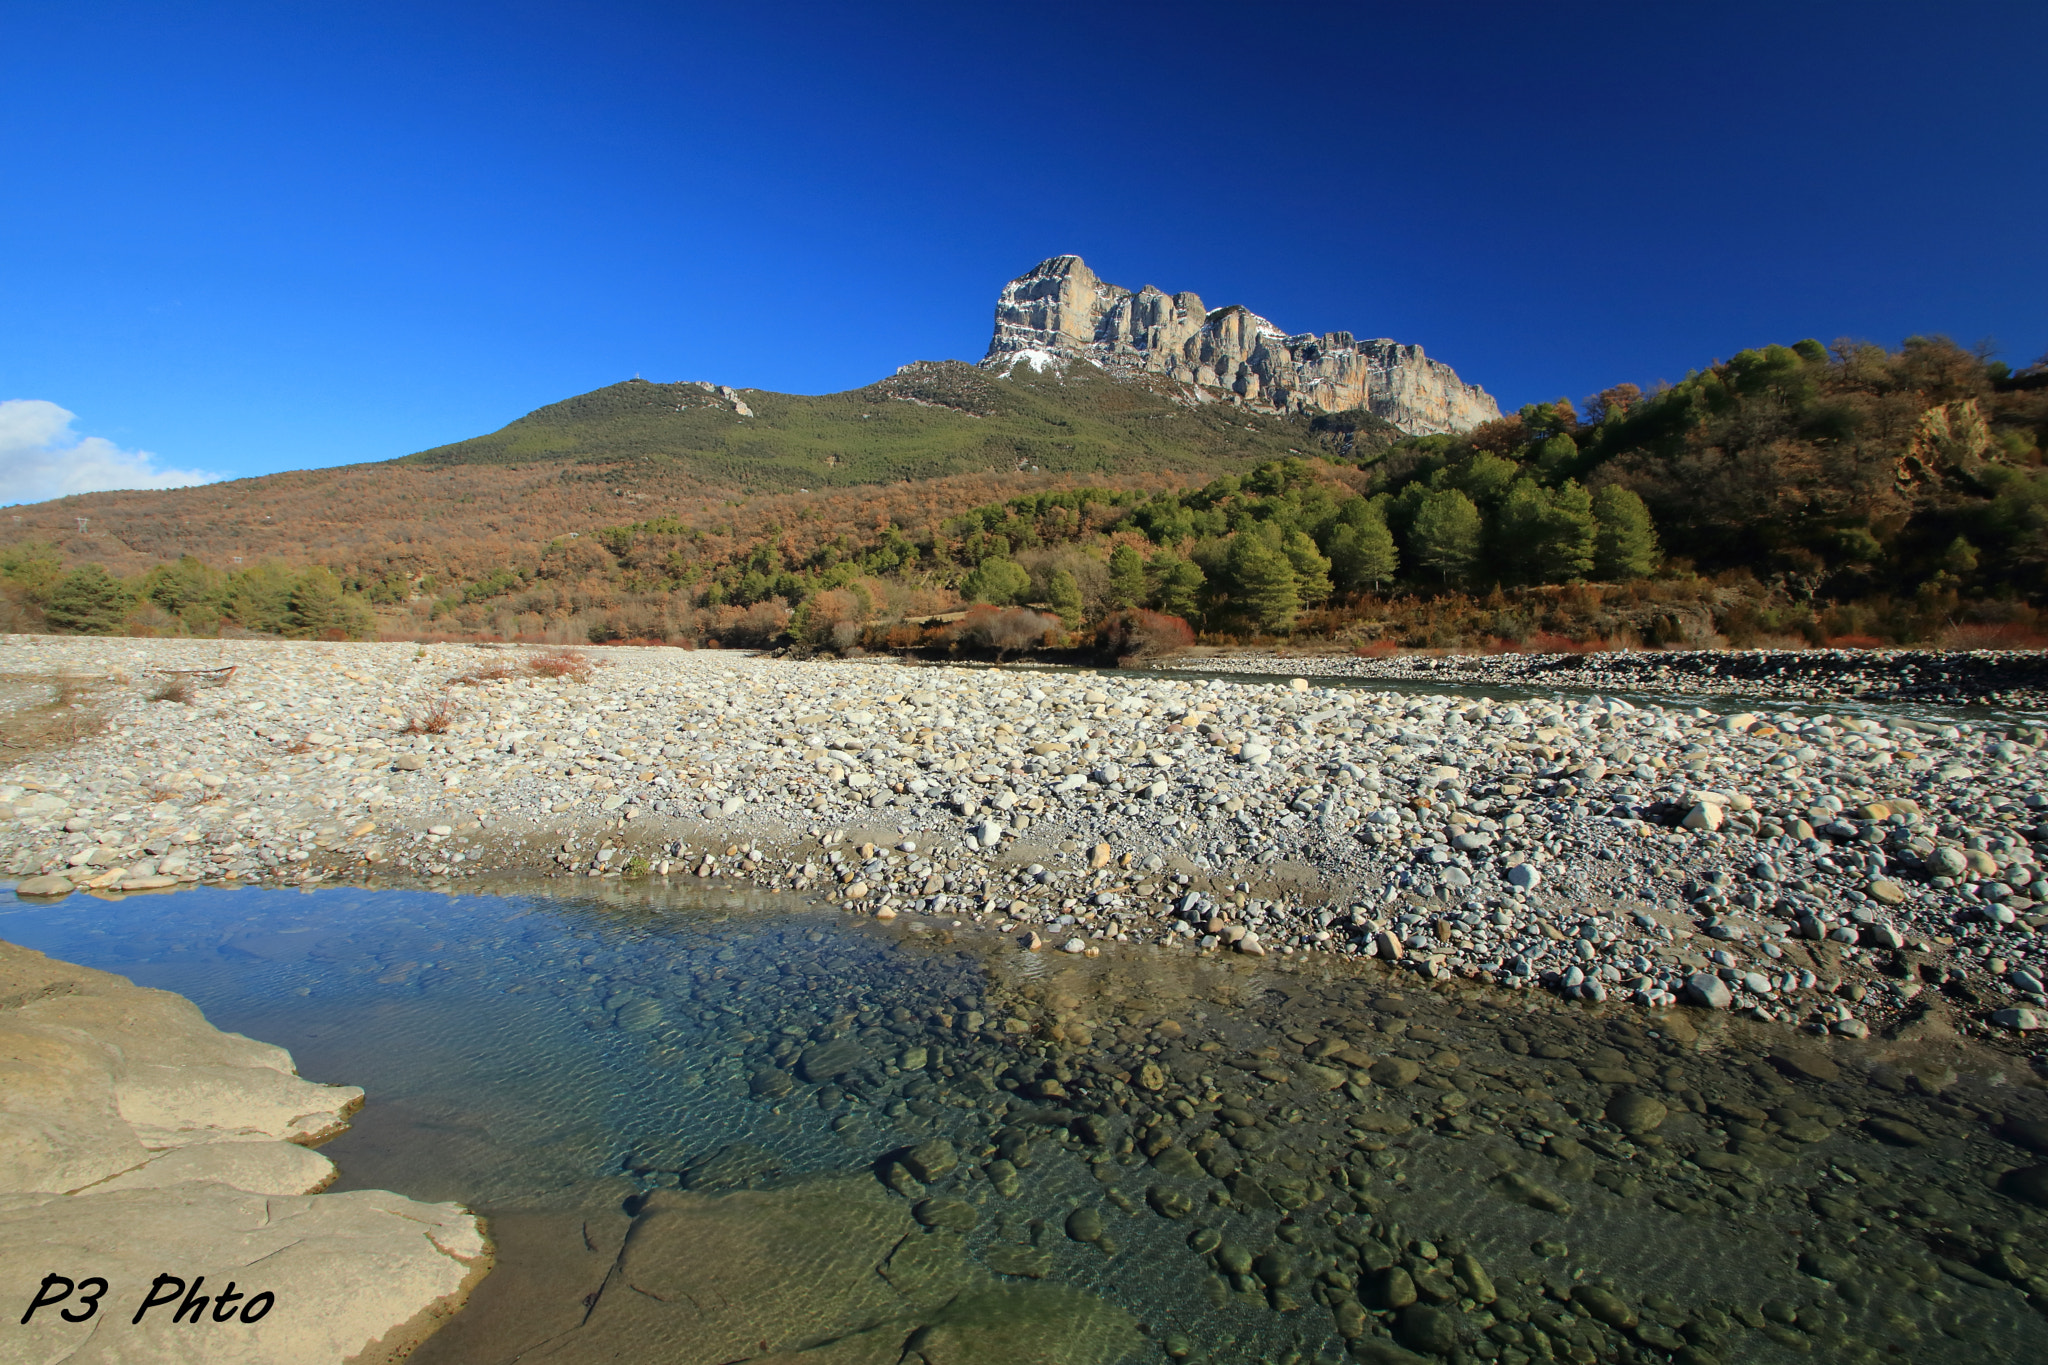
{"x":559,"y":663}
{"x":173,"y":689}
{"x":1138,"y":634}
{"x":495,"y":670}
{"x":435,"y":720}
{"x":88,"y":601}
{"x":1007,"y":630}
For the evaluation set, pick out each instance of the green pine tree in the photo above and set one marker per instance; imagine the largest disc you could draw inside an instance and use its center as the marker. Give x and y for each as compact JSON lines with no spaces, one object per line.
{"x":1264,"y":582}
{"x":998,"y":581}
{"x":1176,"y":584}
{"x":88,"y":601}
{"x":1126,"y":577}
{"x":1311,"y":570}
{"x":1363,"y":554}
{"x":1065,"y":596}
{"x":1445,"y":535}
{"x":1626,"y":544}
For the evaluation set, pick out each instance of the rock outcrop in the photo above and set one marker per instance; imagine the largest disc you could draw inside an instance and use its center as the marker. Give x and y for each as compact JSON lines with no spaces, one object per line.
{"x":1061,"y":311}
{"x":138,"y":1141}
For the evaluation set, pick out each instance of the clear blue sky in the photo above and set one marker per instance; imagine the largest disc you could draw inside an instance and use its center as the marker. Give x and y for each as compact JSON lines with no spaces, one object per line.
{"x":249,"y":237}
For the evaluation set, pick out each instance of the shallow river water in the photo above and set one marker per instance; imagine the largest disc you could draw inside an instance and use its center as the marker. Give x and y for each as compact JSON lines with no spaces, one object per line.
{"x":1232,"y":1160}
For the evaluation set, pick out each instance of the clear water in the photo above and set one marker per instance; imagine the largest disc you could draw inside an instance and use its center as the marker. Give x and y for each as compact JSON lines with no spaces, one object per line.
{"x":526,"y":1054}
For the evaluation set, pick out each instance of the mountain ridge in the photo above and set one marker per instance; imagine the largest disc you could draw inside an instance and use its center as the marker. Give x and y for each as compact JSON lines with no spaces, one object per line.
{"x":1061,"y":309}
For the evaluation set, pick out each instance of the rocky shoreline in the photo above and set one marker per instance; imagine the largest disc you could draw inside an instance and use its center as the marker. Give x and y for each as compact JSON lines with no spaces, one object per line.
{"x":2016,"y":679}
{"x":1838,"y":873}
{"x":139,"y":1146}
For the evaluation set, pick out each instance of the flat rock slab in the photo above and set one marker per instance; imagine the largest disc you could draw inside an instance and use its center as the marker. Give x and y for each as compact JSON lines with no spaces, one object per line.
{"x":826,"y":1272}
{"x":361,"y":1276}
{"x":145,"y":1154}
{"x":99,"y":1077}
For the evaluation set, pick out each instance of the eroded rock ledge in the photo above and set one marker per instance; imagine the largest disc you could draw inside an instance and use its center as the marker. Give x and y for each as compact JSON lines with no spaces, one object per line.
{"x":137,"y":1140}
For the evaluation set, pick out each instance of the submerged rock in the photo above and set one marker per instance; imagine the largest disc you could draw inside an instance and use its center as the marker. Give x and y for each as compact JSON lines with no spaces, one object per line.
{"x":831,"y":1271}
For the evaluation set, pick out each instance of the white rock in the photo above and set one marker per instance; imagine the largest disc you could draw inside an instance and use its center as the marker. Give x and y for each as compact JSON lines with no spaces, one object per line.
{"x":1525,"y":875}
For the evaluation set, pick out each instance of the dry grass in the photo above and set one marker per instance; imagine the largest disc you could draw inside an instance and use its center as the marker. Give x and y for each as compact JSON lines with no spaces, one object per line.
{"x":435,"y":720}
{"x":496,"y":670}
{"x":547,"y":663}
{"x":1992,"y":635}
{"x":175,"y":689}
{"x":40,"y":715}
{"x":559,"y":663}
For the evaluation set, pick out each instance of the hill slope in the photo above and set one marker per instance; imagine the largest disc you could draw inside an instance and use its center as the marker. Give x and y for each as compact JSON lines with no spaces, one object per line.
{"x":932,"y":419}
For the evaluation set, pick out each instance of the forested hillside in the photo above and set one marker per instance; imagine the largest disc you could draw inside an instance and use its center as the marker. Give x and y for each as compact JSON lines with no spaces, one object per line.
{"x":1790,"y":492}
{"x":932,"y":420}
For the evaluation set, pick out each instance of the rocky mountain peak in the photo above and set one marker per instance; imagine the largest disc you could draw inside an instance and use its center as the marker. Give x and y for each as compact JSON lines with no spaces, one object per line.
{"x":1061,"y":311}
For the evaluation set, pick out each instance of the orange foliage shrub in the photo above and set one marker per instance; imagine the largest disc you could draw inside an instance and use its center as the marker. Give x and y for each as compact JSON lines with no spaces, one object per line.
{"x":559,"y":663}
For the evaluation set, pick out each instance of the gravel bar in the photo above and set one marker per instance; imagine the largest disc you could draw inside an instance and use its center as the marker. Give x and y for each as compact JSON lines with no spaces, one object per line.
{"x":1835,"y":872}
{"x":2006,"y":678}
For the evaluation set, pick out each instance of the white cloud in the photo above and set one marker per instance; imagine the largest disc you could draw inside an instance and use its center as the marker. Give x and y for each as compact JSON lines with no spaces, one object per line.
{"x":42,"y":457}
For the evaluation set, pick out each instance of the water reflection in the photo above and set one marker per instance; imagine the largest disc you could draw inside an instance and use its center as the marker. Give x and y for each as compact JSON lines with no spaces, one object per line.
{"x":1251,"y":1161}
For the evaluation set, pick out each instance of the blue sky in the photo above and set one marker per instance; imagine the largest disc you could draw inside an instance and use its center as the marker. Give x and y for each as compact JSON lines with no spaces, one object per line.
{"x":243,"y":238}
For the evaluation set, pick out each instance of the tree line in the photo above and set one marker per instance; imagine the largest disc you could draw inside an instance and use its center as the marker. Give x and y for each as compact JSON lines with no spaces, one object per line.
{"x":186,"y":598}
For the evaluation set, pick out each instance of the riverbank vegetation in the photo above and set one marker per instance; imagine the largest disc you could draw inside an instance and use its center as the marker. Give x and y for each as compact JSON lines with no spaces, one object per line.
{"x":1791,"y":494}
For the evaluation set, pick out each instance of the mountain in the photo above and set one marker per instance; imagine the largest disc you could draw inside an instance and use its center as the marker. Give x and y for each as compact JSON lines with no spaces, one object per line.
{"x":1062,"y":311}
{"x":931,"y":419}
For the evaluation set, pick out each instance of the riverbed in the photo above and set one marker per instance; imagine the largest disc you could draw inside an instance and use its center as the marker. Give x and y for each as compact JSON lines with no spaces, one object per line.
{"x":1231,"y":1158}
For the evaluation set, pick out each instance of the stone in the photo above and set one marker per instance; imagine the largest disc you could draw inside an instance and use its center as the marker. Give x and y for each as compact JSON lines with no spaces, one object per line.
{"x":1534,"y":1194}
{"x":2020,"y":1019}
{"x":770,"y":1274}
{"x":1395,"y":1071}
{"x":1636,"y":1113}
{"x":2028,"y":1184}
{"x":358,"y":1276}
{"x":1706,"y":815}
{"x":1024,"y":1262}
{"x":2031,"y":1134}
{"x":96,"y":1074}
{"x":129,"y":1126}
{"x":1395,"y":1290}
{"x":1947,"y":861}
{"x":828,"y":1061}
{"x":44,"y":886}
{"x":1169,"y":1202}
{"x":1605,"y":1305}
{"x":931,"y":1161}
{"x":408,"y":763}
{"x":1708,"y":990}
{"x":1897,"y":1132}
{"x":1525,"y":876}
{"x":1085,"y":1224}
{"x":1423,"y":1328}
{"x":1060,"y":312}
{"x":951,"y":1215}
{"x":1885,"y":892}
{"x":1802,"y":1064}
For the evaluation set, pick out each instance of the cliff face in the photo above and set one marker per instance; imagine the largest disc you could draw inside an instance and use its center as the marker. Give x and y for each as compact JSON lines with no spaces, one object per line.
{"x":1062,"y":310}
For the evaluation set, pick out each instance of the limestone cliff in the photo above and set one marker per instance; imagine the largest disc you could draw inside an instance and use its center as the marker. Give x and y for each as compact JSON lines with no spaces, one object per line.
{"x":1061,"y":310}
